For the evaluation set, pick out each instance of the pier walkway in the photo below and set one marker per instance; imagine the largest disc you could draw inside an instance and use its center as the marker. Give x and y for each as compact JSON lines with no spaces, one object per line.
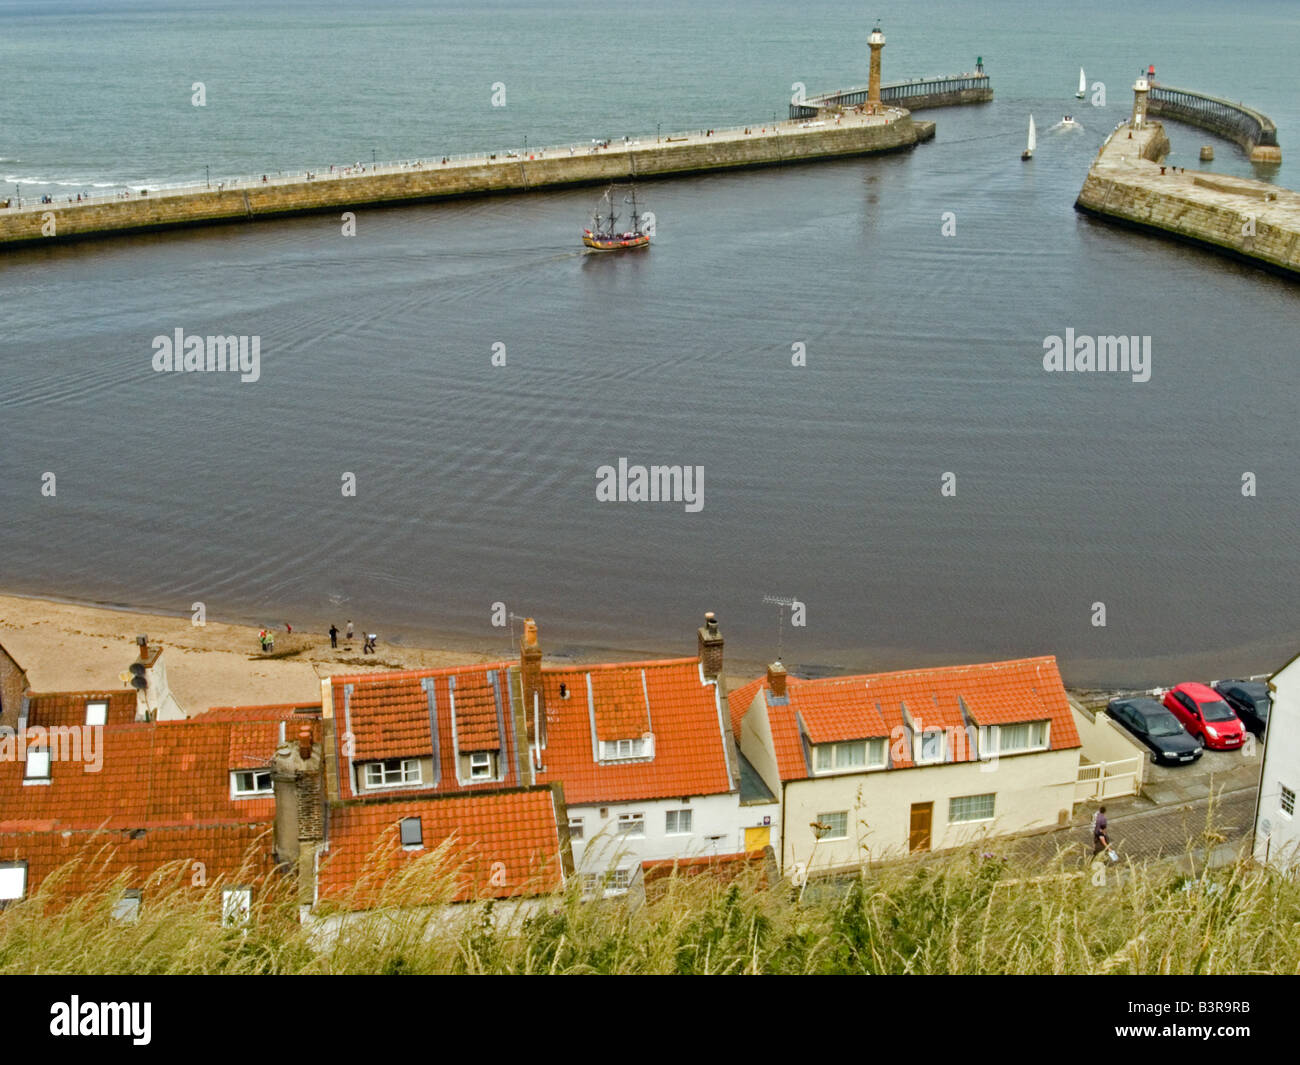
{"x":1249,"y":220}
{"x":326,"y":189}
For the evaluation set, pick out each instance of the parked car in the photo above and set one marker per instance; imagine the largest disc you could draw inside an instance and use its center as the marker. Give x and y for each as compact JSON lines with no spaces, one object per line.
{"x":1206,"y":716}
{"x":1250,"y":701}
{"x":1157,"y":728}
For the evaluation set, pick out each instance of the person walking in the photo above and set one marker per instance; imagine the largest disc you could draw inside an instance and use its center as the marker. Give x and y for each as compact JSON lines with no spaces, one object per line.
{"x":349,"y":628}
{"x":1100,"y":838}
{"x":334,"y":635}
{"x":261,"y":639}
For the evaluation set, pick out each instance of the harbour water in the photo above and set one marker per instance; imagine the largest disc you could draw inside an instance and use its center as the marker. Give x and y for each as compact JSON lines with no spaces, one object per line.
{"x":476,"y":483}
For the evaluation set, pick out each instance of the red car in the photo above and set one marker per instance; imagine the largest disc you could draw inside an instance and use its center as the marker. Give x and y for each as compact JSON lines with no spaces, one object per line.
{"x":1206,"y":716}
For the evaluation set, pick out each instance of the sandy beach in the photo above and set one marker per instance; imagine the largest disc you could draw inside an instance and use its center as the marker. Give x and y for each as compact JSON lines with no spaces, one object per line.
{"x":70,"y":646}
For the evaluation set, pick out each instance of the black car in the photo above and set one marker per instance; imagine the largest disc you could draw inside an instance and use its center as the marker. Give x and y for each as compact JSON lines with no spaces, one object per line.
{"x":1251,"y":701}
{"x":1157,"y":728}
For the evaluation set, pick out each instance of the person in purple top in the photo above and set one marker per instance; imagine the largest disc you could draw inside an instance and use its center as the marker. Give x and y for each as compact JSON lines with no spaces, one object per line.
{"x":1100,"y":840}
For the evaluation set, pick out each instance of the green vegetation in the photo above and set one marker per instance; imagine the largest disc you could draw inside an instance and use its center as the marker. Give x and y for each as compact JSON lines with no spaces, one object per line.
{"x":954,"y":914}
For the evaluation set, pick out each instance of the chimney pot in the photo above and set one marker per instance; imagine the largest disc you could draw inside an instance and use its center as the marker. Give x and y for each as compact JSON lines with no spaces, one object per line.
{"x":143,"y":643}
{"x":304,"y":742}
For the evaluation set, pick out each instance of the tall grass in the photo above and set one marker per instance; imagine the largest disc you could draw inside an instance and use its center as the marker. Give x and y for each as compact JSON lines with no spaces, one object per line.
{"x":954,"y":914}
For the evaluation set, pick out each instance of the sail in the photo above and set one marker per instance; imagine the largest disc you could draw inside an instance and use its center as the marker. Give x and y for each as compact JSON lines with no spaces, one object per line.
{"x":1033,"y":137}
{"x":1083,"y":82}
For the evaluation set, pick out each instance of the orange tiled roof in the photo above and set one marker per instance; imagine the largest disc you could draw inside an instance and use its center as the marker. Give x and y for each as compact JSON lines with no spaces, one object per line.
{"x":882,"y":704}
{"x":150,"y":775}
{"x":236,"y":854}
{"x":389,"y":716}
{"x":690,"y":753}
{"x":264,"y":712}
{"x":505,"y":844}
{"x":51,"y":709}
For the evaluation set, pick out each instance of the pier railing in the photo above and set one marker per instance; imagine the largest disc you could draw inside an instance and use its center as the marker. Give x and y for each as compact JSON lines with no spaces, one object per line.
{"x":336,"y":171}
{"x":917,"y":93}
{"x":1239,"y":123}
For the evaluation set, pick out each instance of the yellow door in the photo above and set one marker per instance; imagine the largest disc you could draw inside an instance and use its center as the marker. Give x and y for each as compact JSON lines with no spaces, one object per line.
{"x":757,"y":838}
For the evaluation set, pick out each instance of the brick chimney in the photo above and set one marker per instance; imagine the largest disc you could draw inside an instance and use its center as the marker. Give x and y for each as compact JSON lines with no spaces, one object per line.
{"x":13,"y":691}
{"x":530,"y":674}
{"x":710,"y":645}
{"x":299,"y":809}
{"x":776,"y":679}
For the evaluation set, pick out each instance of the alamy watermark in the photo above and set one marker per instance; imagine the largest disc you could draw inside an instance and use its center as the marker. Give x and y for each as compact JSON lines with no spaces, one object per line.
{"x":651,"y":484}
{"x":40,"y":746}
{"x":1088,"y":354}
{"x":179,"y":353}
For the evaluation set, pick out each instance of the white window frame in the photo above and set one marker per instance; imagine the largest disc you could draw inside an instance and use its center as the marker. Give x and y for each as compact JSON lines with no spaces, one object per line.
{"x":1286,"y":801}
{"x":237,"y":792}
{"x":405,"y":767}
{"x":629,"y":750}
{"x":673,"y":822}
{"x":836,"y":759}
{"x":991,"y":738}
{"x":97,"y":712}
{"x":485,"y":765}
{"x":991,"y":796}
{"x":235,"y":905}
{"x":13,"y":876}
{"x":919,"y":755}
{"x":577,"y":827}
{"x":825,"y":819}
{"x":39,"y":758}
{"x":631,"y":825}
{"x":618,"y":881}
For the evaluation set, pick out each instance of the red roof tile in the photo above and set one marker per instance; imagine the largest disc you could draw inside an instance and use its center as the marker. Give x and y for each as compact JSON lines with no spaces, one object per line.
{"x":883,"y":704}
{"x":690,"y":751}
{"x":501,"y":844}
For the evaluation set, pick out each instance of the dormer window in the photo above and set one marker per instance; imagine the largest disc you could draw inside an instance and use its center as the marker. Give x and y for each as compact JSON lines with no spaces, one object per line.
{"x":627,"y":750}
{"x":929,"y":747}
{"x":97,"y":713}
{"x":247,"y":783}
{"x":392,"y":772}
{"x":480,"y":765}
{"x":37,"y":768}
{"x":1014,"y":739}
{"x":849,"y":757}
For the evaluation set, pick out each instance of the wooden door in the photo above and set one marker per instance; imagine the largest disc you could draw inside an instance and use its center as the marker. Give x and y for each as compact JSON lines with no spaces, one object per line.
{"x":922,"y":815}
{"x":757,"y":838}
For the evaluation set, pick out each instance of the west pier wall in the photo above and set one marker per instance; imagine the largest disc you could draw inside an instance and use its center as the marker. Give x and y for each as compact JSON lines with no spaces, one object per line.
{"x":53,"y":223}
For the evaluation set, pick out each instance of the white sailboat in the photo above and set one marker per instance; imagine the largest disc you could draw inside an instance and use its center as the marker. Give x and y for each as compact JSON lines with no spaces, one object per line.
{"x":1032,"y":143}
{"x":1083,"y":86}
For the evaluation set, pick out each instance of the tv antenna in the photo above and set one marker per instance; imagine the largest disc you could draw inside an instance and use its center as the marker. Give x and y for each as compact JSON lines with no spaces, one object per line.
{"x":782,"y":602}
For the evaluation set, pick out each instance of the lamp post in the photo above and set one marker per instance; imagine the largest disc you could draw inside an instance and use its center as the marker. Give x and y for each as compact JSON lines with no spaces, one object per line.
{"x":372,"y":158}
{"x":658,"y":127}
{"x":207,"y":175}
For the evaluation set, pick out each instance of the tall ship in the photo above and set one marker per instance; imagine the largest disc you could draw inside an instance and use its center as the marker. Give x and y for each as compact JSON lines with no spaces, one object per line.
{"x":605,"y":234}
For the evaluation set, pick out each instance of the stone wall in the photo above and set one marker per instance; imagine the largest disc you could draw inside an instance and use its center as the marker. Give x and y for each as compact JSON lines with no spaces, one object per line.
{"x":328,"y":194}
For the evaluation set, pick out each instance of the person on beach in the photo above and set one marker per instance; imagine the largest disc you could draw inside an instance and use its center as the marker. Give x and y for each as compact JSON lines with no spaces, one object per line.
{"x":334,"y":635}
{"x":288,"y":629}
{"x":349,"y":628}
{"x":261,"y":639}
{"x":1100,"y":840}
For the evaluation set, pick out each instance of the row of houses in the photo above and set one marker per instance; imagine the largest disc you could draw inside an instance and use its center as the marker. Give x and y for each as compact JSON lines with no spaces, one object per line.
{"x":526,"y":774}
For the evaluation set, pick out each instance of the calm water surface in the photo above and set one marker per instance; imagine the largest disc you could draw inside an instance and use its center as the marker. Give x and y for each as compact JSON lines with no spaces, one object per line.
{"x":476,"y":484}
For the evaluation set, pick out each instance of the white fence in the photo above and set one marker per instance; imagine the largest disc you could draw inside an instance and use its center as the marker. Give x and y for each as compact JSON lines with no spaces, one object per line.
{"x":1107,"y":780}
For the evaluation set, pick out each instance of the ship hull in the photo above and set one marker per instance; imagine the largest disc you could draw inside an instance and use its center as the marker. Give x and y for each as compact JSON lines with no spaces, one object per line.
{"x":597,"y":244}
